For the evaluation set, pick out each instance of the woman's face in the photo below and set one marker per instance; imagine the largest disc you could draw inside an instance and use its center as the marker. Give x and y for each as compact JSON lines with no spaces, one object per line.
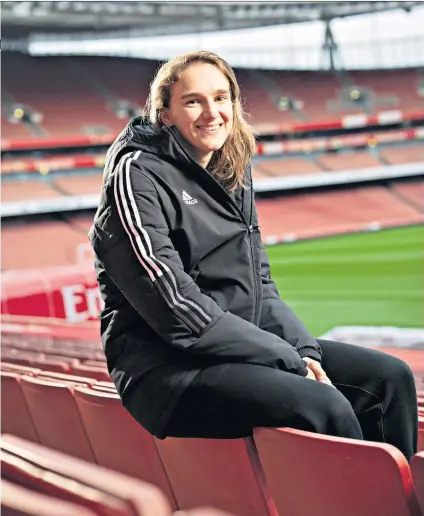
{"x":201,"y":109}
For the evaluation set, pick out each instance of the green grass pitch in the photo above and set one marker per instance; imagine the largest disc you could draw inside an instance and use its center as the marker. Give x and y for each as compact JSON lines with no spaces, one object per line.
{"x":370,"y":279}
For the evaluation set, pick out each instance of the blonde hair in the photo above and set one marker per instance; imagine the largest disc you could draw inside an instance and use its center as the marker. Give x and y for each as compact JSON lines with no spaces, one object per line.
{"x":229,"y":163}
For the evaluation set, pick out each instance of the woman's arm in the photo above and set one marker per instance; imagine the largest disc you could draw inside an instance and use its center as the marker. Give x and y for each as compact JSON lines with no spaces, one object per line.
{"x":149,"y":272}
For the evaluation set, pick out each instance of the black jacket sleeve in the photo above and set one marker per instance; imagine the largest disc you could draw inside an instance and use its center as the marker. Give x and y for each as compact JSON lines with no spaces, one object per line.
{"x":279,"y":319}
{"x":149,"y":272}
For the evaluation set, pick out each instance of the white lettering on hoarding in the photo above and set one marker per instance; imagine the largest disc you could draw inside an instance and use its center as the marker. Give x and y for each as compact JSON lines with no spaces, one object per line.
{"x":81,"y":303}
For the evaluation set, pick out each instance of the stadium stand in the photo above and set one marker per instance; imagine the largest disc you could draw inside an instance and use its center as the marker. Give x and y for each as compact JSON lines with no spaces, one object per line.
{"x":411,"y":191}
{"x":339,"y":161}
{"x":323,"y":213}
{"x":89,"y":421}
{"x":76,"y":95}
{"x":397,"y":155}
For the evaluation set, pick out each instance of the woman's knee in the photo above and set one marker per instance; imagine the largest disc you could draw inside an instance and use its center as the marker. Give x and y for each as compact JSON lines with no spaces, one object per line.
{"x":334,"y":415}
{"x":396,"y":371}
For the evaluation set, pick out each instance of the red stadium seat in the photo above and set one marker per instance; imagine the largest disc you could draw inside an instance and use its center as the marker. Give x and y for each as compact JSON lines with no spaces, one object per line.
{"x":143,"y":499}
{"x":312,"y":474}
{"x":19,"y":501}
{"x":99,"y":373}
{"x":20,"y":369}
{"x":21,"y":471}
{"x":417,"y":470}
{"x":221,"y":473}
{"x":68,"y":379}
{"x":15,"y":415}
{"x":118,"y":441}
{"x":56,"y":417}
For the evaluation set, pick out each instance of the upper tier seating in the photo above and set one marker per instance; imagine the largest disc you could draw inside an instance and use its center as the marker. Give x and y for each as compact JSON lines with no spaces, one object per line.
{"x":74,"y":94}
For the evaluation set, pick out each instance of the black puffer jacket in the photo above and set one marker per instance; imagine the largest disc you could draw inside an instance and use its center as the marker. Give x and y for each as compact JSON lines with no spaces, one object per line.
{"x":184,"y":276}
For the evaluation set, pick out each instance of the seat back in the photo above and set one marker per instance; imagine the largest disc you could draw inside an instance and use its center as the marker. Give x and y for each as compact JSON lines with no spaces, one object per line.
{"x":16,"y":368}
{"x":221,"y":473}
{"x":15,"y":415}
{"x":56,"y":417}
{"x":19,"y":501}
{"x":417,"y":469}
{"x":32,"y":476}
{"x":118,"y":441}
{"x":97,"y":372}
{"x":330,"y":476}
{"x":144,"y":499}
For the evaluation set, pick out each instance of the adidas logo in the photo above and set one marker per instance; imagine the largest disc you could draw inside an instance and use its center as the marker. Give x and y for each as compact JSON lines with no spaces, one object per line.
{"x":188,"y":199}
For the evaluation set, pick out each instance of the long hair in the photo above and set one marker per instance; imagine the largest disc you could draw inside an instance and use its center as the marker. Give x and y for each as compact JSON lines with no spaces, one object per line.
{"x":229,"y":163}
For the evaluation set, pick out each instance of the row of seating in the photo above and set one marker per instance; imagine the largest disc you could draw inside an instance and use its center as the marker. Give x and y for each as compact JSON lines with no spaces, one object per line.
{"x":37,"y":481}
{"x":74,"y":95}
{"x":298,"y":216}
{"x":90,"y":182}
{"x":225,"y":473}
{"x":85,"y":418}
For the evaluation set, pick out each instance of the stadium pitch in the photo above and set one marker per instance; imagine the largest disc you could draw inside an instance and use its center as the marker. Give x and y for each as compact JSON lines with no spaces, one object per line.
{"x":370,"y":279}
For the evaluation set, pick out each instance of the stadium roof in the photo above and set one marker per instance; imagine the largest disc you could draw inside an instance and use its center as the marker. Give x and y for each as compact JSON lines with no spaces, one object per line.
{"x":148,"y":18}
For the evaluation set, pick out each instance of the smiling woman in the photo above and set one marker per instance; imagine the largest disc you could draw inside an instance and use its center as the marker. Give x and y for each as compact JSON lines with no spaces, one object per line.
{"x":197,"y":339}
{"x":199,"y":95}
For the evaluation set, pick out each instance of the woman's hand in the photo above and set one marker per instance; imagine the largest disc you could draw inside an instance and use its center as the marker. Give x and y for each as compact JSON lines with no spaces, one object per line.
{"x":316,"y":372}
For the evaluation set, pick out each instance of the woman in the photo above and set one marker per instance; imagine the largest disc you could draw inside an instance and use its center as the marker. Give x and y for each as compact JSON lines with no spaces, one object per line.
{"x":197,"y":340}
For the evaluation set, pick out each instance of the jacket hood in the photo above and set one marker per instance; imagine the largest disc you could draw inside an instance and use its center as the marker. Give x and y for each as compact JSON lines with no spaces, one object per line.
{"x":166,"y":143}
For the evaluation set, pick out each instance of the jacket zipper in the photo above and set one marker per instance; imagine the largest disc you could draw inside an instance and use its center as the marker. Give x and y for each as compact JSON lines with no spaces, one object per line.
{"x":256,"y":315}
{"x":249,"y":225}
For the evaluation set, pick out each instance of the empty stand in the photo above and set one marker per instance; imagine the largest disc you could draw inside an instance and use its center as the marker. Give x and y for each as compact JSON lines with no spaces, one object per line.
{"x":399,"y":87}
{"x":288,"y":167}
{"x":80,"y":184}
{"x":328,"y":476}
{"x":347,"y":160}
{"x":51,"y":243}
{"x":118,"y":441}
{"x":56,"y":417}
{"x":338,"y":211}
{"x":30,"y":189}
{"x":411,"y":191}
{"x":219,"y":473}
{"x":407,"y":154}
{"x":75,"y":94}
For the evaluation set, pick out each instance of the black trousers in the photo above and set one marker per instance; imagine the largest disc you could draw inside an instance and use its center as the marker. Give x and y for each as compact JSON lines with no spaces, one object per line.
{"x":375,"y":399}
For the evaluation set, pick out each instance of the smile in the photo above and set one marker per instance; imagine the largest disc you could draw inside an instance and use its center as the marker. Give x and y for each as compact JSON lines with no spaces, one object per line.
{"x":209,"y":129}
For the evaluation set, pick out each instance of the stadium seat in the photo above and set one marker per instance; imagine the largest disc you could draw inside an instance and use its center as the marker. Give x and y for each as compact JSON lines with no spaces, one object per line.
{"x":24,"y":472}
{"x":99,"y":373}
{"x":15,"y":415}
{"x":19,"y":501}
{"x":118,"y":441}
{"x":221,"y":473}
{"x":20,"y":369}
{"x":417,"y":470}
{"x":312,"y":474}
{"x":56,"y":417}
{"x":143,"y":499}
{"x":68,"y":379}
